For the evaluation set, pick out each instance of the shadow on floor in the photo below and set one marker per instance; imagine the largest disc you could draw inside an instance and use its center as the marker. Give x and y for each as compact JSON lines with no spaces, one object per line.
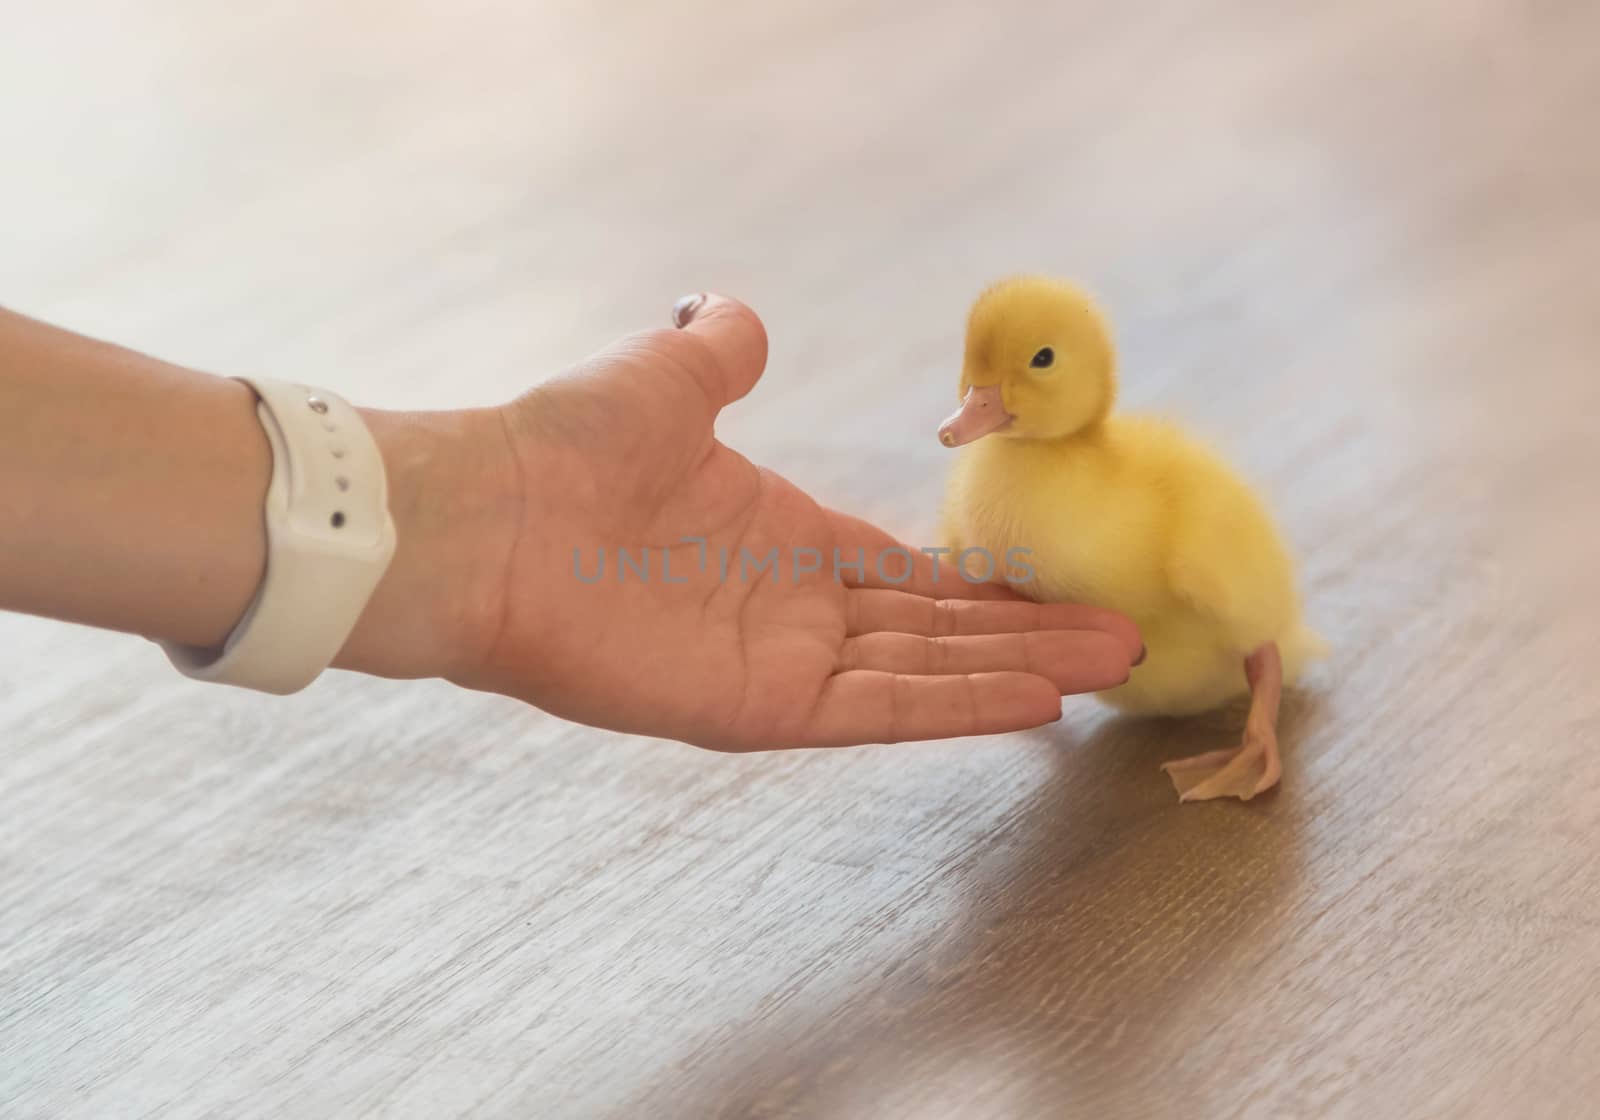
{"x":1091,"y":920}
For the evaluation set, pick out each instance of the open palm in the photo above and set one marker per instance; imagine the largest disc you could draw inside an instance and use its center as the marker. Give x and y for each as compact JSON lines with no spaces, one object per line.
{"x":661,"y":583}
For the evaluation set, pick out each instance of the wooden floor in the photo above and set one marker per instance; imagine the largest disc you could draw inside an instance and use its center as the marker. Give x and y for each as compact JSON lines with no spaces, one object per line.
{"x":1354,"y":243}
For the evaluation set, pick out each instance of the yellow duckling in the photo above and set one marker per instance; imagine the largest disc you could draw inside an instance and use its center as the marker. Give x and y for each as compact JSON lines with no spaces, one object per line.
{"x":1124,"y":512}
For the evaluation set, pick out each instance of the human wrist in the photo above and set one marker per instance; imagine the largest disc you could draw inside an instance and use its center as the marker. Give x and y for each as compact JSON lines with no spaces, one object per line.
{"x":455,"y":513}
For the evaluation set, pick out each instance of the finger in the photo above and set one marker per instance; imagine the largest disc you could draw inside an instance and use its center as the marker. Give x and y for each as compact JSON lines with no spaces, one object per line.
{"x":721,"y":344}
{"x":1072,"y":660}
{"x":886,"y":562}
{"x":872,"y":609}
{"x":869,"y":707}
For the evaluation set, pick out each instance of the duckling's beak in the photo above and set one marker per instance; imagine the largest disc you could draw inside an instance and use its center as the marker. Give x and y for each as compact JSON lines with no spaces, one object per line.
{"x":983,"y":411}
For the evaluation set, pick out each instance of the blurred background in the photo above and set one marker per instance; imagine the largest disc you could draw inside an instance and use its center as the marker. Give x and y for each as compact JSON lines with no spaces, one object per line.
{"x":440,"y":204}
{"x":1352,"y":244}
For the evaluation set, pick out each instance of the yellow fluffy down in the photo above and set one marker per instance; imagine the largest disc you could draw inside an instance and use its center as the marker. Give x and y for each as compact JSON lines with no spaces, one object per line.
{"x":1136,"y":516}
{"x":1124,"y":512}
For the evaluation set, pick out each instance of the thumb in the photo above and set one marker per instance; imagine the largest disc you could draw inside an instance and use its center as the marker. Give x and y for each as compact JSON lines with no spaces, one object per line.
{"x":733,"y":345}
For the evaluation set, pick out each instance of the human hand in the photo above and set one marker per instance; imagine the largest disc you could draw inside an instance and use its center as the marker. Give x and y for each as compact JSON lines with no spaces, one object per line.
{"x":513,"y":508}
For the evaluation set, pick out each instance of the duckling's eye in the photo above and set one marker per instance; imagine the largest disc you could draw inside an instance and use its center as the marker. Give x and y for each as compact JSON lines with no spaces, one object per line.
{"x":1044,"y":359}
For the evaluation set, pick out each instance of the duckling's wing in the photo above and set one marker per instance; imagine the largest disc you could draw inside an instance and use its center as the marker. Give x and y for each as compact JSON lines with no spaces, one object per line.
{"x":1226,"y":561}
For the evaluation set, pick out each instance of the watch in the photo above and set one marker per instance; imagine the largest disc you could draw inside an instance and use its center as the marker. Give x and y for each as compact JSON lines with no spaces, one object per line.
{"x":329,"y":540}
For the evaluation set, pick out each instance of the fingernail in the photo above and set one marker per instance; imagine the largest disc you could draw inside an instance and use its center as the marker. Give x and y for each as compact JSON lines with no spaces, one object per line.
{"x":683,"y":311}
{"x":1142,"y":651}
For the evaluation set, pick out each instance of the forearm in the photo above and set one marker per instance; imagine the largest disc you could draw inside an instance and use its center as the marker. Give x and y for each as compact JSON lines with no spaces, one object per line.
{"x":132,"y":491}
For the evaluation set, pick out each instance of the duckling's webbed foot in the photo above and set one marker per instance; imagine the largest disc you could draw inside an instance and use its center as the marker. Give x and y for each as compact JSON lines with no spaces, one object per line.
{"x":1253,"y":766}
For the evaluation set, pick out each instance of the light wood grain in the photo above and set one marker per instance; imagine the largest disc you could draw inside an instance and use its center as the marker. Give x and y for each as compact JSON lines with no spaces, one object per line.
{"x":1352,"y":243}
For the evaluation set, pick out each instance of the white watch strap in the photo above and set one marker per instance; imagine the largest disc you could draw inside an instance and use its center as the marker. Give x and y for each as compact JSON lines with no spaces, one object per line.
{"x":329,"y":540}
